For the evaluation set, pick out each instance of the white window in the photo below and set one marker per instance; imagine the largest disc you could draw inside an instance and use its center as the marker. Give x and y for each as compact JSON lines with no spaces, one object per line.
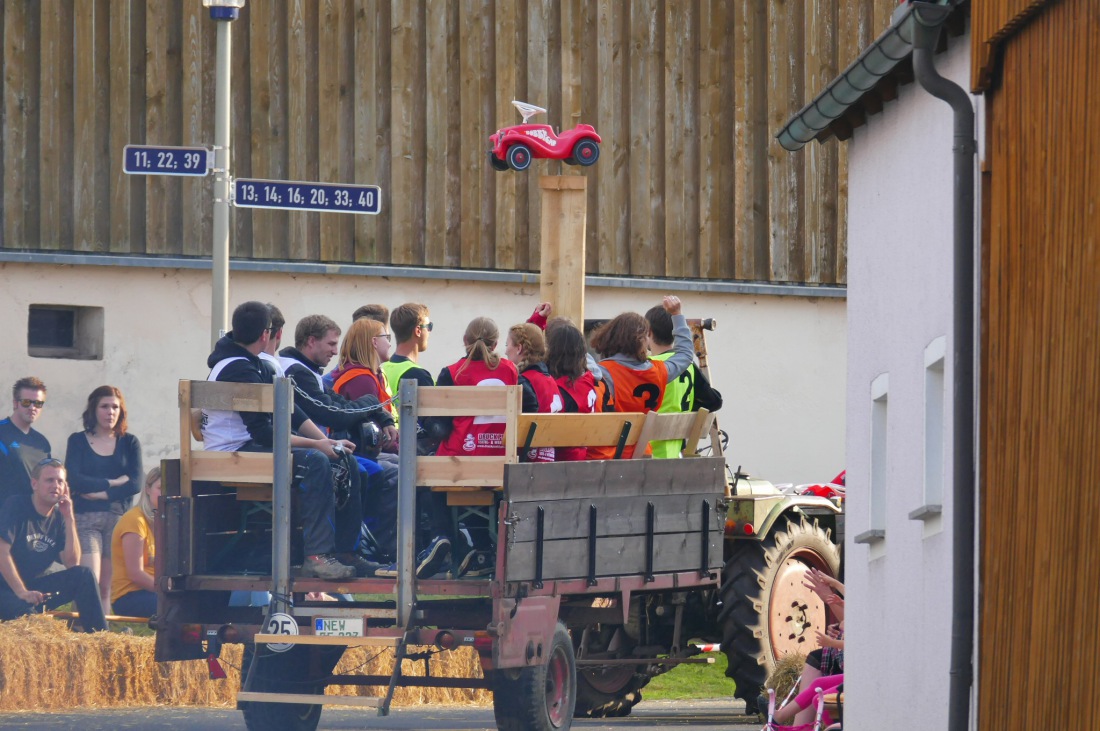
{"x":880,"y":390}
{"x":934,"y":412}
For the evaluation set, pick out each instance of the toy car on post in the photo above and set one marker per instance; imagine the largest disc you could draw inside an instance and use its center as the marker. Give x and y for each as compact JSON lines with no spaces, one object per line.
{"x":515,"y":147}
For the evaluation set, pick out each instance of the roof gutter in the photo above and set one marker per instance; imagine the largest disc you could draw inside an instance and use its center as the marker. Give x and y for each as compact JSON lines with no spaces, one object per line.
{"x":875,"y":63}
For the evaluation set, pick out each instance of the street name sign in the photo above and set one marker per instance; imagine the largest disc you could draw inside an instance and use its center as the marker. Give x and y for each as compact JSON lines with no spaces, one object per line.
{"x":294,"y":195}
{"x":158,"y":160}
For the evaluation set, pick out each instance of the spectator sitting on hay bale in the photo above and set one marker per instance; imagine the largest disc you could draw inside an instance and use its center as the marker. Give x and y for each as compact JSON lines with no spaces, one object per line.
{"x":36,"y":531}
{"x":133,"y":592}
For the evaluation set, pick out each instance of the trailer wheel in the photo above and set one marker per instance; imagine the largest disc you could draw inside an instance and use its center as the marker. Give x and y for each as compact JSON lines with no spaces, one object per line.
{"x":539,"y":698}
{"x":766,"y":612}
{"x":610,"y":693}
{"x":296,"y":671}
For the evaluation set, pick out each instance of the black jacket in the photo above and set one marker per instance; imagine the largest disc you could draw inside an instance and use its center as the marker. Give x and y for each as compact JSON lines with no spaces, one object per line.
{"x":324,"y":406}
{"x":706,"y":396}
{"x":250,"y":369}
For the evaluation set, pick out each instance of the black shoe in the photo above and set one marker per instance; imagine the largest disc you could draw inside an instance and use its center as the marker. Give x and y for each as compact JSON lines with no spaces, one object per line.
{"x":363,"y":567}
{"x":430,"y":561}
{"x":477,"y":564}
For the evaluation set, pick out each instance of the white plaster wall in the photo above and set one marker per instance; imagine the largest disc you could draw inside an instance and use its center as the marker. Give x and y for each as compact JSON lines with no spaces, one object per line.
{"x":899,"y":295}
{"x":778,"y":361}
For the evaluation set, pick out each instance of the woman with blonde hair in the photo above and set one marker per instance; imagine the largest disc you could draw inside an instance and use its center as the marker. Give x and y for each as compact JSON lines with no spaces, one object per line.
{"x":133,"y":549}
{"x":365,"y":347}
{"x":104,"y":465}
{"x":477,"y":436}
{"x":526,"y":347}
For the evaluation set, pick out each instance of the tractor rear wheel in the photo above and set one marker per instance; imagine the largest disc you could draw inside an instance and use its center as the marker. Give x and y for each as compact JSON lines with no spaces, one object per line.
{"x":766,"y":612}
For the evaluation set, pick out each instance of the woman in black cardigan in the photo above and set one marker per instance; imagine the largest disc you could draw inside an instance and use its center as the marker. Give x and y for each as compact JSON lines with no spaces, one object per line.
{"x":104,"y":466}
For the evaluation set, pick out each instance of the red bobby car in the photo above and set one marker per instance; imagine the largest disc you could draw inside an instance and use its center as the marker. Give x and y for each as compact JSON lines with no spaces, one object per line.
{"x":515,"y":147}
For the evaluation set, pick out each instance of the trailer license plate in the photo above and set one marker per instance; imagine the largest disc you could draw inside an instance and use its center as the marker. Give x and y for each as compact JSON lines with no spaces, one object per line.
{"x":342,"y":627}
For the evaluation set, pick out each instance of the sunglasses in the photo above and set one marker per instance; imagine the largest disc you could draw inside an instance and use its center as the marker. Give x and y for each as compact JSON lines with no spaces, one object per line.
{"x":51,"y":462}
{"x":26,"y":403}
{"x":426,"y":326}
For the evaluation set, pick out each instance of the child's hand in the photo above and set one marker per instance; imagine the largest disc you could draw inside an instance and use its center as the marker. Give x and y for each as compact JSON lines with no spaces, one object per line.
{"x":672,"y":304}
{"x":544,"y":309}
{"x":824,"y":640}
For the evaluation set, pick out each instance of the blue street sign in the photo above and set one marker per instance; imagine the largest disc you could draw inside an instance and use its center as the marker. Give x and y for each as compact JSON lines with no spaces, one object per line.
{"x":294,"y":195}
{"x":152,"y":160}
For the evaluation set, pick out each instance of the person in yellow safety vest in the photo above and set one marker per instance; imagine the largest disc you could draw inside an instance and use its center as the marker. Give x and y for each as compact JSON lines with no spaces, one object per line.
{"x":411,"y":325}
{"x":690,"y":391}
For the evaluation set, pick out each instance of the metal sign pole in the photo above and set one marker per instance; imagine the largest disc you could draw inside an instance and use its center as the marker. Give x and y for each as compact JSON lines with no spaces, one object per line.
{"x":219,"y":306}
{"x":280,"y":499}
{"x":406,"y":503}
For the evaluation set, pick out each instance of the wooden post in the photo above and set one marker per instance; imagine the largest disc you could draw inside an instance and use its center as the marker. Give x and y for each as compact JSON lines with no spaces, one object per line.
{"x":564,"y":212}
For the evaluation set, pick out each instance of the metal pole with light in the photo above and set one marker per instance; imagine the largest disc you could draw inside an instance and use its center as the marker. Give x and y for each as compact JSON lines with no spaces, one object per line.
{"x":224,"y":12}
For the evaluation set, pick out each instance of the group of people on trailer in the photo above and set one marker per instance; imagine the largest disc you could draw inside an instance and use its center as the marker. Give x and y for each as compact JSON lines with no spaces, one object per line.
{"x":67,"y":529}
{"x":348,"y":416}
{"x":823,"y":672}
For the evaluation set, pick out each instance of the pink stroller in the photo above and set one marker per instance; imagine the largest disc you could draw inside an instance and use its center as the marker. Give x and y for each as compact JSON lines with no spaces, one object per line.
{"x":819,"y":714}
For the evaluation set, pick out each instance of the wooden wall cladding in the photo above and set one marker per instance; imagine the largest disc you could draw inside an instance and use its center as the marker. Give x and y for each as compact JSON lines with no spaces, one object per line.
{"x":404,"y":93}
{"x":1040,"y":385}
{"x":991,"y":22}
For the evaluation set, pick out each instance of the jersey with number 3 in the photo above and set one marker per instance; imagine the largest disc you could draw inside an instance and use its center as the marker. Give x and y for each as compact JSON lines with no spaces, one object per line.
{"x":634,"y":391}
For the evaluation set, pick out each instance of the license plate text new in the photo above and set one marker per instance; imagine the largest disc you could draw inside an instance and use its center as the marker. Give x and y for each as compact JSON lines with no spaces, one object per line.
{"x":342,"y":627}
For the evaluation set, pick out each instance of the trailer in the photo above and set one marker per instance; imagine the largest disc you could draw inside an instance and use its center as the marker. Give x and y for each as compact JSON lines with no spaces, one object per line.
{"x":606,"y":571}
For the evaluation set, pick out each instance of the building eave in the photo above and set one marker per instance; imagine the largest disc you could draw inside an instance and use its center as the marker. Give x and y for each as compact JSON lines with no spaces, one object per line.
{"x":871,"y":81}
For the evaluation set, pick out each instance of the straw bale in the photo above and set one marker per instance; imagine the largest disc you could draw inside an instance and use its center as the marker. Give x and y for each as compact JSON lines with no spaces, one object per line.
{"x":460,"y":663}
{"x":45,"y":666}
{"x":786,"y":674}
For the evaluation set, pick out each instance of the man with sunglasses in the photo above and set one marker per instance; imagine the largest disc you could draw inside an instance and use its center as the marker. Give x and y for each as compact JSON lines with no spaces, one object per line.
{"x":411,"y":324}
{"x":21,"y":446}
{"x":37,"y":531}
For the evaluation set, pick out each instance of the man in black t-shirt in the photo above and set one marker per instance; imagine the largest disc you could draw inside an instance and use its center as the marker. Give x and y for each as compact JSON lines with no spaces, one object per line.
{"x":21,"y":447}
{"x":36,"y":531}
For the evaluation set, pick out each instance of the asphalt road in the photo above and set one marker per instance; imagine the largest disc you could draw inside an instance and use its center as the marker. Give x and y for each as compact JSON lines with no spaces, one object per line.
{"x":705,"y":715}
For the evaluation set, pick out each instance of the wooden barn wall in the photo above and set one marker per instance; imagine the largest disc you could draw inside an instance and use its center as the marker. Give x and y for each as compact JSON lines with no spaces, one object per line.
{"x":991,"y":22}
{"x":1040,"y":558}
{"x":686,"y":93}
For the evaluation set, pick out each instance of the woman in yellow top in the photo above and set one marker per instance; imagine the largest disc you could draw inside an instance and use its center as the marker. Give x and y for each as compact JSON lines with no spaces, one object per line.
{"x":133,"y":593}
